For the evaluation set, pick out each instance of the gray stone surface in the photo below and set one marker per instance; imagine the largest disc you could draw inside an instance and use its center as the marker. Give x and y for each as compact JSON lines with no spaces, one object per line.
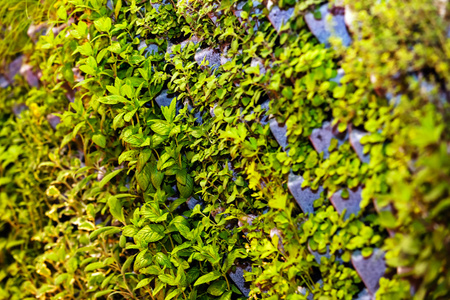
{"x":18,"y":108}
{"x":192,"y":202}
{"x":321,"y":138}
{"x":370,"y":269}
{"x":163,"y":99}
{"x":150,"y":49}
{"x":14,"y":68}
{"x":3,"y":82}
{"x":355,"y":141}
{"x":258,"y":62}
{"x":305,"y":197}
{"x":238,"y":279}
{"x":351,"y":204}
{"x":364,"y":295}
{"x":279,"y":132}
{"x":328,"y":26}
{"x":254,"y":10}
{"x":278,"y":17}
{"x":318,"y":256}
{"x":208,"y":57}
{"x":340,"y":74}
{"x":194,"y":39}
{"x":53,"y":120}
{"x":31,"y":78}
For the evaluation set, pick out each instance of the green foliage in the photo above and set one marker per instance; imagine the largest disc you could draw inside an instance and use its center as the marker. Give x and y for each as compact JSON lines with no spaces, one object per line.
{"x":130,"y":199}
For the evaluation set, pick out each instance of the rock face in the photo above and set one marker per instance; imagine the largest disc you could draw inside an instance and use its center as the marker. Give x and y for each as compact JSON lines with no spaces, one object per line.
{"x":278,"y":17}
{"x":355,"y":141}
{"x":328,"y":26}
{"x":305,"y":197}
{"x":212,"y":56}
{"x":321,"y":138}
{"x":238,"y":279}
{"x":279,"y":132}
{"x":351,"y":204}
{"x":370,"y":269}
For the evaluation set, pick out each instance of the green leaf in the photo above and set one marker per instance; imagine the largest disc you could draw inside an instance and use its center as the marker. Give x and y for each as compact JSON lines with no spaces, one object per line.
{"x":181,"y":176}
{"x":143,"y":259}
{"x":112,"y":99}
{"x":127,"y":263}
{"x":99,"y":140}
{"x":144,"y":156}
{"x":182,"y":226}
{"x":226,"y":296}
{"x":161,"y":128}
{"x":108,"y":177}
{"x":163,"y":260}
{"x":87,"y":69}
{"x":117,"y":8}
{"x":208,"y":277}
{"x":150,"y":234}
{"x":103,"y":24}
{"x":187,"y":189}
{"x":107,"y":230}
{"x":173,"y":294}
{"x":143,"y":178}
{"x":217,"y":288}
{"x":156,"y":176}
{"x":94,"y":266}
{"x":127,"y":156}
{"x":167,"y":278}
{"x":143,"y":282}
{"x":115,"y":208}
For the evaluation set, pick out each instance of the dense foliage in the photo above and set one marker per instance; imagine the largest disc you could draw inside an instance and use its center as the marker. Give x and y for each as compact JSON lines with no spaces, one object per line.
{"x":131,"y":169}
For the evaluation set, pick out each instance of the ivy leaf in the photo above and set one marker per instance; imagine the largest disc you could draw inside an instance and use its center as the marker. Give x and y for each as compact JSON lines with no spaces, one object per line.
{"x":115,"y":208}
{"x":208,"y":277}
{"x":108,"y":177}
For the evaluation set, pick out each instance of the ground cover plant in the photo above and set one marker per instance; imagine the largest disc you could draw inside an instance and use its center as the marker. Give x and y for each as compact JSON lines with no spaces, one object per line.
{"x":224,"y":149}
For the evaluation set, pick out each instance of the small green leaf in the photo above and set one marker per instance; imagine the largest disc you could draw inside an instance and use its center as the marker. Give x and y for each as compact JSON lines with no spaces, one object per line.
{"x":103,"y":24}
{"x":106,"y":229}
{"x":150,"y":234}
{"x":94,"y":266}
{"x":99,"y":140}
{"x":115,"y":208}
{"x":143,"y":282}
{"x":108,"y":177}
{"x":161,"y":128}
{"x":112,"y":99}
{"x":208,"y":277}
{"x":144,"y":177}
{"x":217,"y":288}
